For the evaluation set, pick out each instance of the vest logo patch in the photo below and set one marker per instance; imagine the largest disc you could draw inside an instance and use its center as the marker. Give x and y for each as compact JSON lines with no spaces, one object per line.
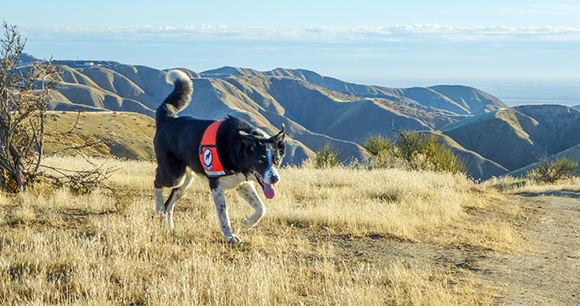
{"x":208,"y":159}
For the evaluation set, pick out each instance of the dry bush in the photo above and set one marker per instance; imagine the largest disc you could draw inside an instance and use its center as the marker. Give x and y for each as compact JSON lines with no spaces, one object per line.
{"x":414,"y":150}
{"x":24,"y":97}
{"x":60,"y":248}
{"x":550,"y":171}
{"x":326,"y":157}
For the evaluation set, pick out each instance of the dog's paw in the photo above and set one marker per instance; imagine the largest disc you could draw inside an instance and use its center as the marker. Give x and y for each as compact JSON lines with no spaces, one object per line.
{"x":233,"y":239}
{"x":247,"y":224}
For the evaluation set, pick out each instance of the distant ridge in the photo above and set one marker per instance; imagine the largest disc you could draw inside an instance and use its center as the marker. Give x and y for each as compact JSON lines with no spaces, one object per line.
{"x":458,"y":99}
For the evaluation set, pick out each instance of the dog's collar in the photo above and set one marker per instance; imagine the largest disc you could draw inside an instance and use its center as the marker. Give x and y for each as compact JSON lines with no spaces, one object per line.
{"x":208,"y":154}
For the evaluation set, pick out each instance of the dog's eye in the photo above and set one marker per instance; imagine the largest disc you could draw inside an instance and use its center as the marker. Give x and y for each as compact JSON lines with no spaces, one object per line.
{"x":276,"y":161}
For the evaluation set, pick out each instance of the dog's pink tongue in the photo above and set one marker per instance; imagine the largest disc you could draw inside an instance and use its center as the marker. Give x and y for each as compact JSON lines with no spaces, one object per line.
{"x":269,"y":191}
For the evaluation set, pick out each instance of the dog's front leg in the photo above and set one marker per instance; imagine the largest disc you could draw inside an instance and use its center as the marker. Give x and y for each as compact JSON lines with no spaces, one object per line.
{"x":222,"y":213}
{"x":247,"y":191}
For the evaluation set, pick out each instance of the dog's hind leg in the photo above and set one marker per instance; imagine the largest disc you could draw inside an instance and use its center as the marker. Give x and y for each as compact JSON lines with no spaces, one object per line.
{"x":247,"y":191}
{"x":222,"y":211}
{"x":158,"y":199}
{"x":176,"y":194}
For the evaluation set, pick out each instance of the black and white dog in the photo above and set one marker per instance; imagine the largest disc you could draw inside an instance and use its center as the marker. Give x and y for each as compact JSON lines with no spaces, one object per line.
{"x":230,"y":153}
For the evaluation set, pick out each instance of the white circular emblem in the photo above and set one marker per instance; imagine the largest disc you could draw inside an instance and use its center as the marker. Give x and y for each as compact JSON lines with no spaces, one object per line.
{"x":207,"y":158}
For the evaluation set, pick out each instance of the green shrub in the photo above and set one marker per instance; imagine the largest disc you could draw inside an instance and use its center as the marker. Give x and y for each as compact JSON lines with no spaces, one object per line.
{"x":327,"y":157}
{"x":418,"y":150}
{"x":378,"y":144}
{"x":383,"y":151}
{"x":551,"y":171}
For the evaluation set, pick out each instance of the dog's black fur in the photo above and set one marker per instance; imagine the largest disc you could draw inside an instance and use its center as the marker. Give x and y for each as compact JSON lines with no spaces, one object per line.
{"x":246,"y":152}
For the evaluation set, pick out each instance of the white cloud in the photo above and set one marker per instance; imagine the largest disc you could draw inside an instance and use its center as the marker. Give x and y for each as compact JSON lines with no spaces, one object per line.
{"x":436,"y":32}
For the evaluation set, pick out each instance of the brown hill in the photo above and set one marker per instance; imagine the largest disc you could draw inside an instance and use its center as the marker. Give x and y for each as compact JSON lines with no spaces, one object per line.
{"x":572,"y":153}
{"x":515,"y":137}
{"x":317,"y":110}
{"x":477,"y":166}
{"x":130,"y":135}
{"x":321,"y":110}
{"x":120,"y":134}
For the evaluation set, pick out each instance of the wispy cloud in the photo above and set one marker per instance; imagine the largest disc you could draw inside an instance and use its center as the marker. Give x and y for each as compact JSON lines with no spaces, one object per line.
{"x":435,"y":32}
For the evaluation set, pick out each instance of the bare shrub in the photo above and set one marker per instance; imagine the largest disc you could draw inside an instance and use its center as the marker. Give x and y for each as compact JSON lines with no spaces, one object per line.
{"x":551,"y":171}
{"x":24,"y":97}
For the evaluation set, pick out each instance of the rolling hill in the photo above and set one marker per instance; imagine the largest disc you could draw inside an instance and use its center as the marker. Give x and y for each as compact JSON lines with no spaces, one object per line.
{"x":515,"y":137}
{"x":319,"y":110}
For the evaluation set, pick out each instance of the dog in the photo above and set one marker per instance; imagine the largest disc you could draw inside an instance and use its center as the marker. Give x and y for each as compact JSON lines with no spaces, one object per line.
{"x":229,"y":153}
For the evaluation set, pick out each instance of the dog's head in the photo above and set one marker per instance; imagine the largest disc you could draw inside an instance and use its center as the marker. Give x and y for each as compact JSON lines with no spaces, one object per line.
{"x":263,"y":156}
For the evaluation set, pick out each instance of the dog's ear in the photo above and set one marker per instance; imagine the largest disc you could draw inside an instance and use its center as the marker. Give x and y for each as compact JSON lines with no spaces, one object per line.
{"x":279,"y":140}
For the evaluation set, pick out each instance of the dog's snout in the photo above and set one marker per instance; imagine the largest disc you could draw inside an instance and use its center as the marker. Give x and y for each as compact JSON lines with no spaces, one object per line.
{"x":274,"y":179}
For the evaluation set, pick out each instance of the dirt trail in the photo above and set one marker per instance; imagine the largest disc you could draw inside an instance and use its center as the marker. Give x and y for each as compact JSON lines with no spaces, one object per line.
{"x":546,"y":273}
{"x":550,"y":274}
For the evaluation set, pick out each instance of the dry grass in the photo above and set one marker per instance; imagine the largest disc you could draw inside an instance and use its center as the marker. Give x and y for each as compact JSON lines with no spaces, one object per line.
{"x":98,"y":249}
{"x":511,"y":185}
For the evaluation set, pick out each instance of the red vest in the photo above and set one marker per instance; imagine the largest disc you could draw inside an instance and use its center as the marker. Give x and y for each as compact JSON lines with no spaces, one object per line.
{"x":208,"y":154}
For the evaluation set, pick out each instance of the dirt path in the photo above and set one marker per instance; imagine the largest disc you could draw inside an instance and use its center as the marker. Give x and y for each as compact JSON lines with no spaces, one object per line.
{"x":550,"y":274}
{"x":547,"y":273}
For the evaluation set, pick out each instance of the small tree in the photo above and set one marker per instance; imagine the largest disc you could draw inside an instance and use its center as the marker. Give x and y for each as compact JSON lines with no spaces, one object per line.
{"x":24,"y":97}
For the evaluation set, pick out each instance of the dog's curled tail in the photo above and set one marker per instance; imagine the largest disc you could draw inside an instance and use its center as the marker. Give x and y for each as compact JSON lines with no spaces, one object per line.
{"x":179,"y":98}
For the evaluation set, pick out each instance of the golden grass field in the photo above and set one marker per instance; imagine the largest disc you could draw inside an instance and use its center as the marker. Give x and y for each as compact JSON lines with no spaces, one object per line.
{"x":110,"y":249}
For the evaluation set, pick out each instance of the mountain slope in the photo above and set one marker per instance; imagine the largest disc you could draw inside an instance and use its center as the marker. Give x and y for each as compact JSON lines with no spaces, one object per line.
{"x":572,"y":153}
{"x":477,"y":166}
{"x":316,"y":110}
{"x":515,"y":137}
{"x":463,"y":100}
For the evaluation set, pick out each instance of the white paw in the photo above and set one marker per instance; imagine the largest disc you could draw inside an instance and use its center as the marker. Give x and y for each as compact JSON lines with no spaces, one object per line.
{"x":233,"y":239}
{"x":247,"y":224}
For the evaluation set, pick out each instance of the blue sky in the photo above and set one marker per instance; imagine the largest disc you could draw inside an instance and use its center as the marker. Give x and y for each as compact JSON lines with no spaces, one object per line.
{"x":370,"y":42}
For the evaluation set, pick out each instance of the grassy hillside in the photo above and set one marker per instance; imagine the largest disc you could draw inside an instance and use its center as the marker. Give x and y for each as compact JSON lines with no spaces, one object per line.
{"x":130,"y":135}
{"x":119,"y":134}
{"x":108,"y":248}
